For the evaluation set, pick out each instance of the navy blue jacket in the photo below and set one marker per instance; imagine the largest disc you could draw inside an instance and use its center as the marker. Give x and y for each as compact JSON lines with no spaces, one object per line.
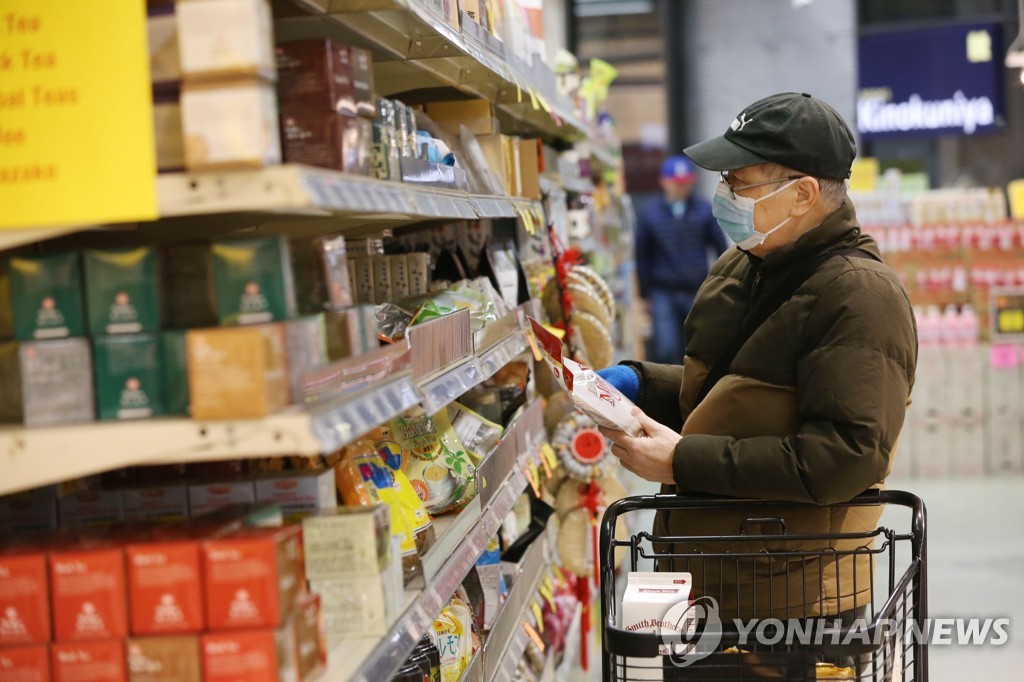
{"x":671,"y":253}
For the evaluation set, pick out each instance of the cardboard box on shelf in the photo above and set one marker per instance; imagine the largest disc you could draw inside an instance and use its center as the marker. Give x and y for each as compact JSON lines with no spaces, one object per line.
{"x":322,"y":75}
{"x":167,"y":503}
{"x":236,"y":373}
{"x":90,"y":508}
{"x":129,"y":376}
{"x":164,"y":592}
{"x":219,"y":38}
{"x":204,"y":498}
{"x":30,"y":510}
{"x":497,"y":153}
{"x":362,"y":268}
{"x":306,"y":350}
{"x":529,"y":169}
{"x":24,"y":598}
{"x":263,"y":655}
{"x":122,"y":290}
{"x":168,"y":658}
{"x":188,"y":299}
{"x":254,"y":280}
{"x":327,"y":139}
{"x":168,"y":130}
{"x":229,"y":125}
{"x":89,"y":661}
{"x":25,"y":663}
{"x":299,"y":493}
{"x":351,"y":332}
{"x":476,"y":114}
{"x":360,"y":606}
{"x":87,"y":593}
{"x":347,"y":541}
{"x":419,"y":273}
{"x":46,"y":382}
{"x":382,"y":287}
{"x":252,"y":577}
{"x":310,"y":637}
{"x":46,"y":296}
{"x":174,"y":366}
{"x":162,"y":33}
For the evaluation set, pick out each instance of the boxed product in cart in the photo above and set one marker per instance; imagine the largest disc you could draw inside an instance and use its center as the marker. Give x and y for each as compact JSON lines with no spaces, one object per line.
{"x":168,"y":658}
{"x":252,"y":577}
{"x":656,"y":603}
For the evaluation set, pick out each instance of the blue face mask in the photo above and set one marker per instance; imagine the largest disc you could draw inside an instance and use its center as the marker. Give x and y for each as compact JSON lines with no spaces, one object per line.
{"x":736,"y":216}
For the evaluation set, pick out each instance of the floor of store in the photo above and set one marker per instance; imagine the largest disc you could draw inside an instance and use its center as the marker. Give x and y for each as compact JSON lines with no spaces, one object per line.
{"x":975,"y":562}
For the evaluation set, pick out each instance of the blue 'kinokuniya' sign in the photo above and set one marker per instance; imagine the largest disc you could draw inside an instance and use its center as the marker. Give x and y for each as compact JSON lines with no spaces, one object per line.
{"x":932,"y":81}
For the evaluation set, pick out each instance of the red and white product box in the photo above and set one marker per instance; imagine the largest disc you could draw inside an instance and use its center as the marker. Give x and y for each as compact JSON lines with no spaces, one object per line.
{"x":250,"y":656}
{"x":87,"y":591}
{"x":164,"y":587}
{"x":26,"y":663}
{"x":204,"y":498}
{"x":299,"y":492}
{"x":90,"y":508}
{"x":156,"y":503}
{"x":24,"y":598}
{"x":102,"y":661}
{"x":252,"y":578}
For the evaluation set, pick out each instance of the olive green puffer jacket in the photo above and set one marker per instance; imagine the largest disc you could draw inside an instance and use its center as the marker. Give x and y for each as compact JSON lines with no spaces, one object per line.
{"x":810,"y":411}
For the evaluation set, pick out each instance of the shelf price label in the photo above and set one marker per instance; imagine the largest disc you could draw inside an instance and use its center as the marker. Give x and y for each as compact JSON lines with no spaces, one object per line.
{"x":76,"y":114}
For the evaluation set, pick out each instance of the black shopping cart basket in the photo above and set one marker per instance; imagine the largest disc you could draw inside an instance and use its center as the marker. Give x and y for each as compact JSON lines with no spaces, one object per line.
{"x":770,"y":601}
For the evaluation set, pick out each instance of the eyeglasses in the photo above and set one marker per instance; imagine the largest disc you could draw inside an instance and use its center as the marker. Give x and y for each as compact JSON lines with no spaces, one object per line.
{"x":733,"y":190}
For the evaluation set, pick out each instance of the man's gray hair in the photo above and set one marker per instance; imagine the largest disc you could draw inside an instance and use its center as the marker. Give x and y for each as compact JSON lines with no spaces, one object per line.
{"x":833,"y":192}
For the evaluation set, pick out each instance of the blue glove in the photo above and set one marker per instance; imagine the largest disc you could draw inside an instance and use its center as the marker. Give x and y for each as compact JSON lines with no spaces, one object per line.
{"x":623,"y":378}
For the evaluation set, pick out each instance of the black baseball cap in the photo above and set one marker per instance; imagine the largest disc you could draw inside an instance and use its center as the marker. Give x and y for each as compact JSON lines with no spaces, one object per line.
{"x":791,"y":129}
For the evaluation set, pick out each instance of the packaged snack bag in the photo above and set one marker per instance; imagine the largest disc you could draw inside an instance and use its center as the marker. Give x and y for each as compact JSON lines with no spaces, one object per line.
{"x":434,"y":460}
{"x":391,"y":454}
{"x":591,"y":394}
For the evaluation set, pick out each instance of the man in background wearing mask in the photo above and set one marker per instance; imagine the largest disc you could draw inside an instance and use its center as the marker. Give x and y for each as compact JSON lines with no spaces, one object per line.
{"x":673,"y":235}
{"x":799,"y":365}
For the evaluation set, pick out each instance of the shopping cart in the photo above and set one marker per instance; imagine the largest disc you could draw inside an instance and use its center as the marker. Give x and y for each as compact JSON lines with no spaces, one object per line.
{"x":755,"y":577}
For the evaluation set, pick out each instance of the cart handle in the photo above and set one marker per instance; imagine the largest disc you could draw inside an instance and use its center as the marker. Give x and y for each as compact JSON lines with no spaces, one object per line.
{"x":763,"y":521}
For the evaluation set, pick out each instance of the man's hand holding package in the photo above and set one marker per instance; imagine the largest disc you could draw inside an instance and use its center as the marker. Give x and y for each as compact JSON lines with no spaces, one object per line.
{"x":648,"y":456}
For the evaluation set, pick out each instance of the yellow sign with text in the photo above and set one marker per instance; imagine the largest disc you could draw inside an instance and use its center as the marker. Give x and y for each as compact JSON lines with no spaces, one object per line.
{"x":76,"y":114}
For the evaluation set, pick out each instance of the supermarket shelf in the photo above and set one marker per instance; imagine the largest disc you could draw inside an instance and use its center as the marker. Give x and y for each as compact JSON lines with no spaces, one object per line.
{"x":83,"y":449}
{"x":358,"y":662}
{"x":572,"y":647}
{"x":492,"y":659}
{"x":11,"y":239}
{"x":414,"y":48}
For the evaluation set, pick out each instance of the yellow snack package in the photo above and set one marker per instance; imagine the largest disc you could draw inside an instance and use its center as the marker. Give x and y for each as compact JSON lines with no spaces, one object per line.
{"x":391,"y":454}
{"x":448,"y":633}
{"x":434,"y":459}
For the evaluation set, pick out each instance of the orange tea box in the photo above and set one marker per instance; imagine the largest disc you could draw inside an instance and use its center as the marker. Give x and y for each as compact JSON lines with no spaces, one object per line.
{"x":25,"y":663}
{"x":250,"y":655}
{"x":87,"y":593}
{"x":164,"y":587}
{"x":252,"y":578}
{"x":24,"y":598}
{"x":101,"y":661}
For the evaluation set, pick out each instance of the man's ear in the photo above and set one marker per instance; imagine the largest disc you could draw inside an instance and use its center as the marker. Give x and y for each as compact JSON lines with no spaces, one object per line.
{"x":807,"y":194}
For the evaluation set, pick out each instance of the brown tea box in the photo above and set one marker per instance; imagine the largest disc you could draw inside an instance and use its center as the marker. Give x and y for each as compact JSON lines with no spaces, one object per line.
{"x":323,"y":75}
{"x":236,"y":372}
{"x":327,"y":139}
{"x":164,"y":659}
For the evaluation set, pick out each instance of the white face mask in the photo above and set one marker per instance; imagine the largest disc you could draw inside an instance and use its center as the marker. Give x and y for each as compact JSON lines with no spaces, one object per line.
{"x":736,"y":216}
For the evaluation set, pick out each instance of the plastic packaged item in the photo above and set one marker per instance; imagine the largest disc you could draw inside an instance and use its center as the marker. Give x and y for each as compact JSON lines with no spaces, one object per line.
{"x":434,"y":459}
{"x":394,"y":458}
{"x":476,"y":433}
{"x":590,"y":393}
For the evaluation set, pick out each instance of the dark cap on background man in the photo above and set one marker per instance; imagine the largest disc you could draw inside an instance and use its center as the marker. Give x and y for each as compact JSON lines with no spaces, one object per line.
{"x":791,"y":129}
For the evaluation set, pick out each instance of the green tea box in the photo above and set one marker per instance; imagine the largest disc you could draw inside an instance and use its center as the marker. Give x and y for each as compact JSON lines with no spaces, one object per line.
{"x":174,"y":363}
{"x":305,"y":341}
{"x":254,"y":281}
{"x":129,"y":378}
{"x":44,"y":383}
{"x":46,"y":296}
{"x":121,"y":290}
{"x":188,"y":301}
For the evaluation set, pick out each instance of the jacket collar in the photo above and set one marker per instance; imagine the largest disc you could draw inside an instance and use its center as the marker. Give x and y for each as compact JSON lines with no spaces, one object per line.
{"x":839,"y":230}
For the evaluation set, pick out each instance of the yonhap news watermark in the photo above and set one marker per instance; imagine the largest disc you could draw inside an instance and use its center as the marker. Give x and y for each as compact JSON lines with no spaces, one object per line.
{"x":692,"y":630}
